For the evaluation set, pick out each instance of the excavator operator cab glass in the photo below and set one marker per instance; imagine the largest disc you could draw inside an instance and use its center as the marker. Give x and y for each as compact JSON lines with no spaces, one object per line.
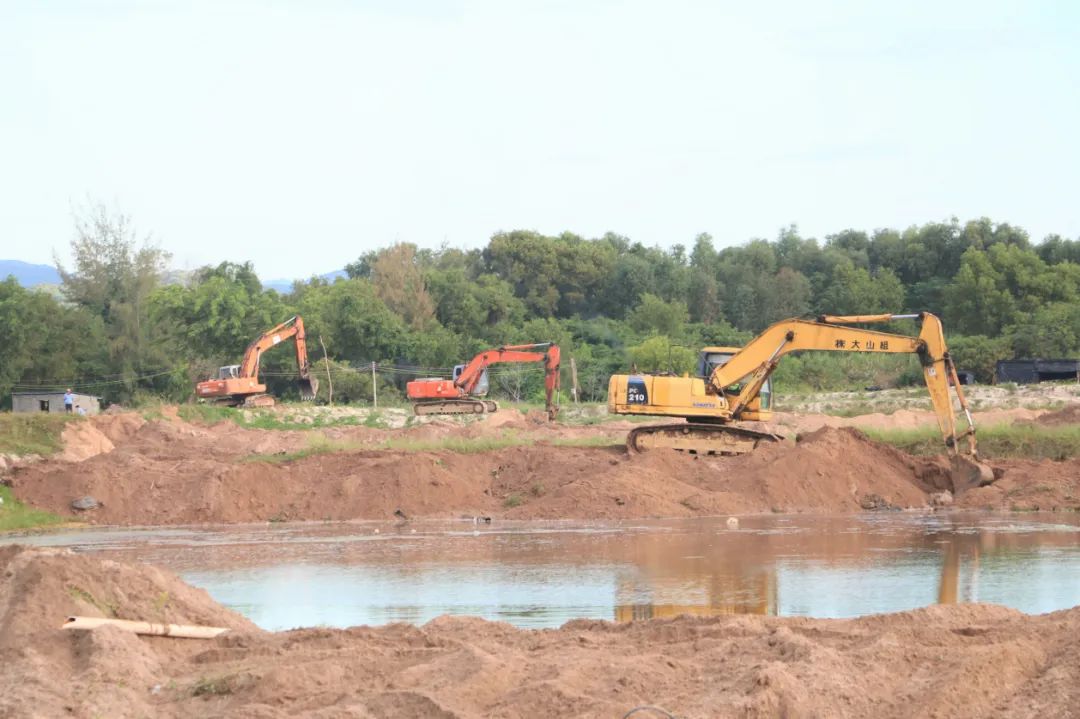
{"x":709,"y":361}
{"x":482,"y":386}
{"x":229,"y":372}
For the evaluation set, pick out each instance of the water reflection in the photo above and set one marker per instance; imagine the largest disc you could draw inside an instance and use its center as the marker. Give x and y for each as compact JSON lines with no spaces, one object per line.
{"x":544,"y":574}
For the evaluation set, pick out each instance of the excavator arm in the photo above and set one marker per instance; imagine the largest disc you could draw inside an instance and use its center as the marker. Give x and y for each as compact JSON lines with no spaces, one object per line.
{"x":439,"y":396}
{"x":545,"y":352}
{"x":756,"y":361}
{"x":290,"y":328}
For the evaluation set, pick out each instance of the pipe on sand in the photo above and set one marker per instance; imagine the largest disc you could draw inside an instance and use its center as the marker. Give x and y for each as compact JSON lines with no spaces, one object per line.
{"x":185,"y":631}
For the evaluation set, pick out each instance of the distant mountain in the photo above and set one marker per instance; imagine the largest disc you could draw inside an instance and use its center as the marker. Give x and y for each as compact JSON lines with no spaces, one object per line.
{"x":29,"y":275}
{"x":284,"y":286}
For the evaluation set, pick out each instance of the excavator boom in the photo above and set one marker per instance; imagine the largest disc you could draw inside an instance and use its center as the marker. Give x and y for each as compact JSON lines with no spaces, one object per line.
{"x":731,"y":391}
{"x":442,"y":396}
{"x":240,"y":384}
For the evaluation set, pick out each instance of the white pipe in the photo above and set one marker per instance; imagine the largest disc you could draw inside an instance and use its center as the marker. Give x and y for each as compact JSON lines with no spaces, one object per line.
{"x":185,"y":631}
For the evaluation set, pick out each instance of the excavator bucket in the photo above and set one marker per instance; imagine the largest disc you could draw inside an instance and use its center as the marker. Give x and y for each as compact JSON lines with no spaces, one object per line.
{"x":967,"y":473}
{"x":309,"y":386}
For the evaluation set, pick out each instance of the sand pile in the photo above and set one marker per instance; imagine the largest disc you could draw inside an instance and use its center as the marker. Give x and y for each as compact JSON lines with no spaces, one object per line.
{"x":44,"y":670}
{"x":829,"y":470}
{"x":83,"y":440}
{"x":1028,"y":485}
{"x":179,"y":474}
{"x":955,"y":661}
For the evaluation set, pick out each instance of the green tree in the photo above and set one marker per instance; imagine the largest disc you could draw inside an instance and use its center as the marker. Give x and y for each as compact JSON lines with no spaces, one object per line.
{"x":219,"y":314}
{"x":654,"y":315}
{"x":355,"y":324}
{"x":399,"y":282}
{"x":112,"y":278}
{"x":659,"y":354}
{"x":979,"y":354}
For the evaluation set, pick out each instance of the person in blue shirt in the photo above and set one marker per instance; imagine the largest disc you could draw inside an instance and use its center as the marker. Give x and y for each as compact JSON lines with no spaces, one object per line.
{"x":69,"y":401}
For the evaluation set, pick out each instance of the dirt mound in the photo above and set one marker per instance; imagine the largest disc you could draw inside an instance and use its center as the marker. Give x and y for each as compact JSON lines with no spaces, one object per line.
{"x":119,"y":428}
{"x":1027,"y":485}
{"x":179,"y":475}
{"x":838,"y":470}
{"x":82,"y":440}
{"x":44,"y":669}
{"x":1059,"y":418}
{"x":957,"y":661}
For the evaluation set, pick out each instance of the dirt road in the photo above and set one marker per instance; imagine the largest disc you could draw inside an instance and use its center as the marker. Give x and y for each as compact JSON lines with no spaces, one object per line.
{"x":955,"y":661}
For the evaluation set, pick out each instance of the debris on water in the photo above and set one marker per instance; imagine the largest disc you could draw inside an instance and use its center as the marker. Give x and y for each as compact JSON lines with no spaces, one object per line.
{"x":732,"y":523}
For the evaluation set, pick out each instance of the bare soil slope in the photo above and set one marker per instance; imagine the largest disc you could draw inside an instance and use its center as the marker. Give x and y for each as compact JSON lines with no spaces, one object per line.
{"x":170,"y":472}
{"x":955,"y":661}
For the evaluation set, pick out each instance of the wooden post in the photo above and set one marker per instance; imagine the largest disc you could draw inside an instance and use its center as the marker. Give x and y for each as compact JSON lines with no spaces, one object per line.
{"x":573,"y":376}
{"x":329,"y":379}
{"x":374,"y":388}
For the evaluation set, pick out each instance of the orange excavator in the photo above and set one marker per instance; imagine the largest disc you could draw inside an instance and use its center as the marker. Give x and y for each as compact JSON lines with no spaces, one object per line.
{"x":238,"y":385}
{"x":460,"y":395}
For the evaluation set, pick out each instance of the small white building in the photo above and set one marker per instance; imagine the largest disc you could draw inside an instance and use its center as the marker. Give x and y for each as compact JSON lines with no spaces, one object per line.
{"x":52,"y":402}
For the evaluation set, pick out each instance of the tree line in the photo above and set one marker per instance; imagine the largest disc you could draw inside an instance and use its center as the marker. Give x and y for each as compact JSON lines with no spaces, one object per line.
{"x":125,"y":327}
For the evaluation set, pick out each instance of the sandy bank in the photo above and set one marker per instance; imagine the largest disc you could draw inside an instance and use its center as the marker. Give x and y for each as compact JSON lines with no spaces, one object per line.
{"x":955,"y":661}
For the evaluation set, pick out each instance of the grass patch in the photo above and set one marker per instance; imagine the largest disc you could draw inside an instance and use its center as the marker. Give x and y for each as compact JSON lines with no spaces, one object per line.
{"x":32,"y":433}
{"x":78,"y":593}
{"x":1003,"y":441}
{"x":200,"y":413}
{"x":15,"y":515}
{"x":215,"y":687}
{"x":317,"y":444}
{"x":514,"y":500}
{"x":460,"y":445}
{"x":375,"y":420}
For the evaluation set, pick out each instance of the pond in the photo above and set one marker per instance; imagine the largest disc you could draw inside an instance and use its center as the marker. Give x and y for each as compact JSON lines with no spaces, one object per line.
{"x":542,"y":574}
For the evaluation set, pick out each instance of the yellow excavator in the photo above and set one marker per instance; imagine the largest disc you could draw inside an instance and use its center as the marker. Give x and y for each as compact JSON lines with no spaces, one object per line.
{"x":733,"y":387}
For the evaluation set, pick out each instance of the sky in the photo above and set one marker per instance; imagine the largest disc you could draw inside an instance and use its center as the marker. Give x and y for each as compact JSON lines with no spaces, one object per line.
{"x":298,"y":135}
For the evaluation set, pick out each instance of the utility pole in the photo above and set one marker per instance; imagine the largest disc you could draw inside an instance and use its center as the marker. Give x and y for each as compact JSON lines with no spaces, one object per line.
{"x":374,"y":387}
{"x":573,"y":376}
{"x":329,"y":379}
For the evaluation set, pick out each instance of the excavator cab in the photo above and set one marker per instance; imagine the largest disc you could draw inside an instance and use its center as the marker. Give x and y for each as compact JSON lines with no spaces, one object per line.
{"x":229,"y":372}
{"x":482,"y":385}
{"x":712,"y":357}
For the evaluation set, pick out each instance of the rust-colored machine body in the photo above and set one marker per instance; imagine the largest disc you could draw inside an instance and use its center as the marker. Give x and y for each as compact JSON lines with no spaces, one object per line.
{"x":458,"y":395}
{"x":238,"y":385}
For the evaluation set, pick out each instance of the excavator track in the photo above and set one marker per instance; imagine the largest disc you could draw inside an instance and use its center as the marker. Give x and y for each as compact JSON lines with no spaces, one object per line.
{"x":698,"y":438}
{"x":244,"y":401}
{"x":453,"y":406}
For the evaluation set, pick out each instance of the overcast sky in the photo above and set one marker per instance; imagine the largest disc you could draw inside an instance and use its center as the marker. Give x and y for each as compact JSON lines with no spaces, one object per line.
{"x":300,"y":134}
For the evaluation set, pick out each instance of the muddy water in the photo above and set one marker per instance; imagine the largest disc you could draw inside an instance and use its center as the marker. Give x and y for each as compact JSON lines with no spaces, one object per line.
{"x":543,"y":574}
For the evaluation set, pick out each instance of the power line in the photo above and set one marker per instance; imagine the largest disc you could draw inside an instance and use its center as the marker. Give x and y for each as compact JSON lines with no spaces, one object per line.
{"x":86,"y":385}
